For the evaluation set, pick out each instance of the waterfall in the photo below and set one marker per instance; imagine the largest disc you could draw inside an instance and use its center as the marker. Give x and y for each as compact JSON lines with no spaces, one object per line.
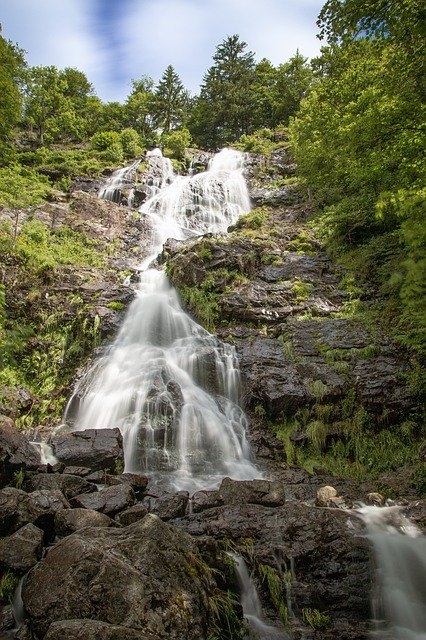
{"x":171,"y":387}
{"x":120,"y":179}
{"x":250,"y":602}
{"x":399,"y":602}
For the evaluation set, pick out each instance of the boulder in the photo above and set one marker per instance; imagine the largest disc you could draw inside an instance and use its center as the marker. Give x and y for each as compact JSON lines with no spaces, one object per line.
{"x":168,"y":505}
{"x":18,"y":508}
{"x":70,"y":485}
{"x":137,"y":481}
{"x":16,"y":452}
{"x":147,"y":577}
{"x":68,"y":521}
{"x":325,"y":496}
{"x":99,"y":449}
{"x":92,"y":630}
{"x":110,"y":500}
{"x":20,"y":551}
{"x":132,"y":514}
{"x":270,"y":494}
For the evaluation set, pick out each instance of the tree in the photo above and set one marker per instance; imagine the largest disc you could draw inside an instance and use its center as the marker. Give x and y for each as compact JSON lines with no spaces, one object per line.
{"x":45,"y":89}
{"x":223,"y":111}
{"x":264,"y":95}
{"x":12,"y":66}
{"x":138,"y":108}
{"x":170,"y":100}
{"x":293,"y":81}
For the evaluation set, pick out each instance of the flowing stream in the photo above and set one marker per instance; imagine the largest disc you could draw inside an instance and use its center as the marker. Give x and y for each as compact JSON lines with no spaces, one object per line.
{"x":171,"y":387}
{"x":252,"y":609}
{"x":399,"y":600}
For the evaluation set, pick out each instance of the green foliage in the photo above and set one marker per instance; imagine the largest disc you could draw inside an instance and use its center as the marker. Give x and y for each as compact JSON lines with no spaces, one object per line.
{"x":203,"y":304}
{"x":170,"y":101}
{"x":316,"y":619}
{"x":11,"y":71}
{"x":175,"y":143}
{"x":256,"y":219}
{"x":275,"y":588}
{"x":224,"y":622}
{"x":22,"y":187}
{"x":104,"y":140}
{"x":8,"y":583}
{"x":116,"y":305}
{"x":130,"y":143}
{"x":19,"y":479}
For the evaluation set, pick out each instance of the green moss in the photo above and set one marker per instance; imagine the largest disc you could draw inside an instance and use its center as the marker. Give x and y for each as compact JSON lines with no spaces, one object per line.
{"x":316,"y":619}
{"x":116,"y":305}
{"x":8,"y":583}
{"x":275,"y":589}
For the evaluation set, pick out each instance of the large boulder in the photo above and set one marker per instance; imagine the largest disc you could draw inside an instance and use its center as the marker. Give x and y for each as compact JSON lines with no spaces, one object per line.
{"x":69,"y":521}
{"x":16,"y":452}
{"x":18,"y":508}
{"x":98,"y":449}
{"x":110,"y":500}
{"x":70,"y":485}
{"x":147,"y":577}
{"x":20,"y":551}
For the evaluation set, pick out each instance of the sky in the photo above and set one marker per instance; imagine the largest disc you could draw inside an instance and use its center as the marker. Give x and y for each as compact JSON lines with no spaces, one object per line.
{"x":115,"y":41}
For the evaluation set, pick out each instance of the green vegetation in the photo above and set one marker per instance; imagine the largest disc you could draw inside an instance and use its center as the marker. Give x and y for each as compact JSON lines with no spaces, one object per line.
{"x":275,"y":588}
{"x":316,"y":619}
{"x":8,"y":583}
{"x":224,"y":621}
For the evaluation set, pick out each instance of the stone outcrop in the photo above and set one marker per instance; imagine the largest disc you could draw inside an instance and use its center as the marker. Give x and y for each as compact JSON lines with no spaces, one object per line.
{"x":18,"y":508}
{"x":148,"y":578}
{"x":16,"y":452}
{"x":99,"y":449}
{"x":22,"y":550}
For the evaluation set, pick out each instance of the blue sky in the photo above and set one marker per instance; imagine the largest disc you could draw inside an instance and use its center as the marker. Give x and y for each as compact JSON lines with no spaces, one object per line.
{"x":114,"y":41}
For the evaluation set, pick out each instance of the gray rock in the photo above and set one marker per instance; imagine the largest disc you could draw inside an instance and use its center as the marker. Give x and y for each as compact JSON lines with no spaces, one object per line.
{"x":109,"y":500}
{"x":68,"y":521}
{"x":92,"y":630}
{"x":15,"y":451}
{"x":137,"y":481}
{"x":70,"y":485}
{"x":20,"y":551}
{"x":18,"y":508}
{"x":252,"y":491}
{"x":132,"y":514}
{"x":99,"y":449}
{"x":141,"y":577}
{"x":167,"y":506}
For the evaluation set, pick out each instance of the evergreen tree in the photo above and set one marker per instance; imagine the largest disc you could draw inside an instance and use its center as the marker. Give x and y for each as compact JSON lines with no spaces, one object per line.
{"x":170,"y":101}
{"x":11,"y":72}
{"x":224,"y":110}
{"x":293,"y":81}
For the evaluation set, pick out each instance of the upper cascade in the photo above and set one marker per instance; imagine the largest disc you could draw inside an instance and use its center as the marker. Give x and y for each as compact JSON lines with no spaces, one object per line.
{"x":120,"y":179}
{"x":171,"y":387}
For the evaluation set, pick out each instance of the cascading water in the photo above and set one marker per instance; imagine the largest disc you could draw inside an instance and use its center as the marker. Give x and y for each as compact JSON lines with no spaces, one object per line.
{"x":252,"y":609}
{"x":170,"y":386}
{"x":399,"y":602}
{"x":120,"y":179}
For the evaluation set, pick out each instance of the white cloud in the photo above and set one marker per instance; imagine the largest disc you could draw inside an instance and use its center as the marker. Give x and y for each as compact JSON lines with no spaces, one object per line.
{"x":150,"y":34}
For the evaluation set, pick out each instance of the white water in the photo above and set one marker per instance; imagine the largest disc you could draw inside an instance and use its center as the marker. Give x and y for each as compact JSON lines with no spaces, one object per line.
{"x":399,"y":604}
{"x":120,"y":179}
{"x":172,"y":388}
{"x":250,"y":602}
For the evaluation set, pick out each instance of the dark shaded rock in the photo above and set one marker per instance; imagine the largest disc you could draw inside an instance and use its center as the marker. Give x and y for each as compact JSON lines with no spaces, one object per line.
{"x":287,"y":195}
{"x":252,"y":491}
{"x":20,"y":551}
{"x":98,"y":449}
{"x":82,"y":472}
{"x":137,"y":481}
{"x":131,"y":515}
{"x":70,"y":485}
{"x":141,"y":577}
{"x":109,"y":500}
{"x":15,"y":451}
{"x":92,"y":630}
{"x":167,"y":506}
{"x":202,"y":500}
{"x":7,"y":620}
{"x":68,"y":521}
{"x":18,"y":508}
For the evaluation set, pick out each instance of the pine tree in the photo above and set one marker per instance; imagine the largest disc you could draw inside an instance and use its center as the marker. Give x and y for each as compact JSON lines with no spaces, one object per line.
{"x":170,"y":100}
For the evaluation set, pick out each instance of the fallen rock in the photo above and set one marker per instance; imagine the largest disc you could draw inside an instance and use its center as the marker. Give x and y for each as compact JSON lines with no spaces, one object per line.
{"x":16,"y":452}
{"x":18,"y":508}
{"x":70,"y":485}
{"x":68,"y":521}
{"x":99,"y":449}
{"x":137,"y":481}
{"x":167,"y":506}
{"x":109,"y":500}
{"x":147,"y":577}
{"x":132,"y":514}
{"x":325,"y":495}
{"x":20,"y":551}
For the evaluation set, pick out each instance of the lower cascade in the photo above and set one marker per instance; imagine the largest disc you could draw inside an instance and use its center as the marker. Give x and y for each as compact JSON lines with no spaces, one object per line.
{"x":400,"y":595}
{"x":170,"y":386}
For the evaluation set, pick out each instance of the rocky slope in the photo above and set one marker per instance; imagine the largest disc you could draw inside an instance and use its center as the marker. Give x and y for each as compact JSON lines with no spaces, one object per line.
{"x":105,"y":553}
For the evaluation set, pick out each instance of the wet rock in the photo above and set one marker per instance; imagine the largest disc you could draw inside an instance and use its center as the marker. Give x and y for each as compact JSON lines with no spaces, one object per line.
{"x":70,"y":485}
{"x":325,"y":495}
{"x":68,"y":521}
{"x":99,"y":449}
{"x":287,"y":195}
{"x":18,"y":508}
{"x":82,"y":472}
{"x":109,"y":500}
{"x":16,"y":452}
{"x":137,"y":481}
{"x":141,"y":577}
{"x":167,"y":506}
{"x":92,"y":630}
{"x":202,"y":500}
{"x":376,"y":499}
{"x":20,"y":551}
{"x":7,"y":620}
{"x":252,"y":491}
{"x":131,"y":515}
